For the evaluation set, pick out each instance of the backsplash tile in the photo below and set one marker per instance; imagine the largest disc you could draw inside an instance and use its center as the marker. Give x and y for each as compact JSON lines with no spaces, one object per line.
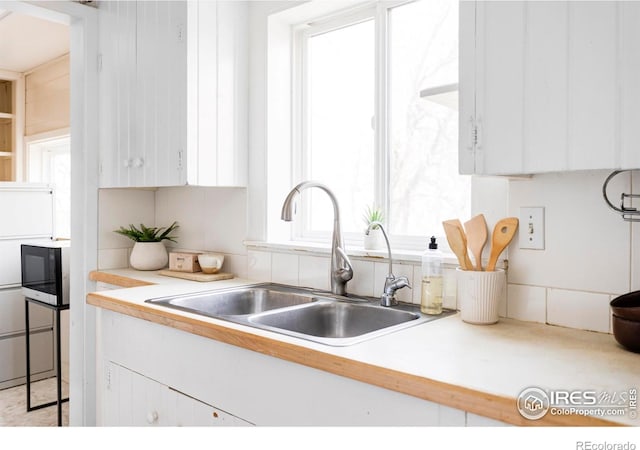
{"x":579,"y":228}
{"x":502,"y":303}
{"x":635,"y":238}
{"x":235,"y":264}
{"x":449,"y":289}
{"x":210,"y":219}
{"x":363,"y":280}
{"x":113,"y":258}
{"x":568,"y":308}
{"x":225,"y":219}
{"x":526,"y":303}
{"x":416,"y":292}
{"x":284,"y":268}
{"x":575,"y":309}
{"x":313,"y":271}
{"x":259,"y":266}
{"x":122,"y":207}
{"x":187,"y":206}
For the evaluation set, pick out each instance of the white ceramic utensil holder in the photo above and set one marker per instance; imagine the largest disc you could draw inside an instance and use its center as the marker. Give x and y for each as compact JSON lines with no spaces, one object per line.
{"x":479,"y":295}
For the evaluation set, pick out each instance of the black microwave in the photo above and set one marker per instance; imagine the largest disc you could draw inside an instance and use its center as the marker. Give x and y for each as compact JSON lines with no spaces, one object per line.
{"x":45,"y":272}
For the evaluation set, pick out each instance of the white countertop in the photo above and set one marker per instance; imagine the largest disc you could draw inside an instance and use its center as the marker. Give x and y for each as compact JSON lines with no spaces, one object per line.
{"x":501,"y":359}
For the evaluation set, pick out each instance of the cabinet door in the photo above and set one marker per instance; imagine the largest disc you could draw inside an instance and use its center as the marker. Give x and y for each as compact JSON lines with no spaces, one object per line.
{"x":549,"y":86}
{"x":629,"y":18}
{"x":132,"y":399}
{"x":173,"y":93}
{"x":117,"y":92}
{"x":192,"y":412}
{"x":217,"y":107}
{"x":161,"y":93}
{"x":142,"y":93}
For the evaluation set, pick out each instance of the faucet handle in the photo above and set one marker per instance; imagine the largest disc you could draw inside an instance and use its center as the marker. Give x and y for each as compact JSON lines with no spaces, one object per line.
{"x":345,"y":273}
{"x":401,"y":282}
{"x":393,"y":284}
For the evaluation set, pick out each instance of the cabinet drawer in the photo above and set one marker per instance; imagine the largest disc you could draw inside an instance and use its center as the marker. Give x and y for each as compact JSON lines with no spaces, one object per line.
{"x":12,"y":313}
{"x":13,"y":355}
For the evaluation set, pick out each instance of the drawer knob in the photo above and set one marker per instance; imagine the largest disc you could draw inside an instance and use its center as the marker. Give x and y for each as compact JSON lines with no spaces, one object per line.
{"x":152,"y":417}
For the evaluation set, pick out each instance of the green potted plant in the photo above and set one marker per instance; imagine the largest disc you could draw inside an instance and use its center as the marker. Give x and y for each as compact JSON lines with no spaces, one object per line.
{"x":149,"y":252}
{"x":374,"y":240}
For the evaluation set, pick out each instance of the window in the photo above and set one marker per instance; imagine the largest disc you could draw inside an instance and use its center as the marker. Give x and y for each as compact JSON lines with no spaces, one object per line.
{"x":376,"y":92}
{"x":50,"y":162}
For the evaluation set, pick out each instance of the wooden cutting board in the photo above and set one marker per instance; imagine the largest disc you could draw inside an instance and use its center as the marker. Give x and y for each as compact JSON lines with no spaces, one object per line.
{"x":197,"y":276}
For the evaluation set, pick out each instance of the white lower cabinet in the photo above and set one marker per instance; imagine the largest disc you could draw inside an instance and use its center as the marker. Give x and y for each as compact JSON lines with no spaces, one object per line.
{"x":247,"y":386}
{"x":132,"y":399}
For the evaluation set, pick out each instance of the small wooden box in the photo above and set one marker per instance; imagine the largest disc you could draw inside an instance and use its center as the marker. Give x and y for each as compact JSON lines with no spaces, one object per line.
{"x":184,"y":262}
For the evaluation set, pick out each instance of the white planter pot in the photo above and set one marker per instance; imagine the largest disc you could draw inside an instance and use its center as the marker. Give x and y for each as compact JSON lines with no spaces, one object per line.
{"x":149,"y":256}
{"x":374,"y":240}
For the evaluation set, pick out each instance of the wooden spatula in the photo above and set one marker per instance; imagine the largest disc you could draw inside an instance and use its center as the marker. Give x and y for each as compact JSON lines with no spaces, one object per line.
{"x":458,"y":242}
{"x":476,"y":229}
{"x":503,"y":233}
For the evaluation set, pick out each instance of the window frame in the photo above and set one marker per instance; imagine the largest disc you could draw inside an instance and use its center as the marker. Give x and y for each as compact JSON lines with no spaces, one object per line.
{"x":36,"y":151}
{"x":378,"y":11}
{"x":300,"y":159}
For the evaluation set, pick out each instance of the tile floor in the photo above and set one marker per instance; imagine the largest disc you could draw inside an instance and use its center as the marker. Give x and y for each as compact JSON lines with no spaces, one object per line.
{"x":13,"y":405}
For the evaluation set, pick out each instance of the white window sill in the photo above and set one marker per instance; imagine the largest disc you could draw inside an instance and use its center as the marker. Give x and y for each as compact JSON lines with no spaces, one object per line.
{"x":317,"y":249}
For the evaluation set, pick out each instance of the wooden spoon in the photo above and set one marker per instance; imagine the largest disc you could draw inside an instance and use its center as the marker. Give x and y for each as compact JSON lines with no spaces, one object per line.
{"x":458,"y":242}
{"x":503,"y":233}
{"x":476,"y":229}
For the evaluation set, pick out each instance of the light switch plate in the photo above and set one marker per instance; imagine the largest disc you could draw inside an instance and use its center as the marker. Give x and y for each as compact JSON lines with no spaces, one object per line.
{"x":532,"y":228}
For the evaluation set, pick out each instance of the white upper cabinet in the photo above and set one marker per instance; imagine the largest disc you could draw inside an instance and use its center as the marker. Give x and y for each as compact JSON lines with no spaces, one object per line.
{"x":548,"y":86}
{"x":173,"y":87}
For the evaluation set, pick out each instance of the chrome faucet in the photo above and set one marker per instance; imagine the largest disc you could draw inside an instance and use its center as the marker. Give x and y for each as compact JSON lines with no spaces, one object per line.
{"x":341,"y":269}
{"x":391,"y":283}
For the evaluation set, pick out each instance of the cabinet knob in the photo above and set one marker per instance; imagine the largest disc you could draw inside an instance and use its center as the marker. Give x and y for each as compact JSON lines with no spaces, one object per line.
{"x":138,"y":162}
{"x":152,"y":417}
{"x":127,"y":163}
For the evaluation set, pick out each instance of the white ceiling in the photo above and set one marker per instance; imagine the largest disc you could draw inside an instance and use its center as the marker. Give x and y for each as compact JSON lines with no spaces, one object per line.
{"x":27,"y":42}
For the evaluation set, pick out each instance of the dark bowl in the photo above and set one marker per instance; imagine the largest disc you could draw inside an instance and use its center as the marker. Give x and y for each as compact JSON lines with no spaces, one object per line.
{"x":627,"y":333}
{"x":627,"y":306}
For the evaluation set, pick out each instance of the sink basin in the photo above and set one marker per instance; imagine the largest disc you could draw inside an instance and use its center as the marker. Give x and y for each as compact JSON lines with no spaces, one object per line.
{"x":335,"y":319}
{"x":304,"y":313}
{"x":235,"y":302}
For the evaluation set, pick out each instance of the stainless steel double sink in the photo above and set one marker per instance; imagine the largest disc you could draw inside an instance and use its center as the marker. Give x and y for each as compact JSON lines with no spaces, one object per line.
{"x":305,"y":313}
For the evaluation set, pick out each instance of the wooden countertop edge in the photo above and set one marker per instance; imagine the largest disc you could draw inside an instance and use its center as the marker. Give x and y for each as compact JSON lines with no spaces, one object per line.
{"x":117,"y":280}
{"x":484,"y":404}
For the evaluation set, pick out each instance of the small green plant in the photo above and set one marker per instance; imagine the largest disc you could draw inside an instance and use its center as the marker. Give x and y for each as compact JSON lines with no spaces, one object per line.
{"x":146,"y":234}
{"x":373,"y":214}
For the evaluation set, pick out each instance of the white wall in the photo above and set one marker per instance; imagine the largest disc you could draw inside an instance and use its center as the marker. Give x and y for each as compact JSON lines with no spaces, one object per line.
{"x":590,"y":253}
{"x":210,"y":219}
{"x":116,"y":208}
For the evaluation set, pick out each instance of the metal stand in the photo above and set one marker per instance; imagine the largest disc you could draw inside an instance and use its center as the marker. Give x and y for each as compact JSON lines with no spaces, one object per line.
{"x":60,"y":400}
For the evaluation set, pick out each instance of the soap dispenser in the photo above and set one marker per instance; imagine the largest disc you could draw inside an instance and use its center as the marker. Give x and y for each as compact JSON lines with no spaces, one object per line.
{"x":431,"y":293}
